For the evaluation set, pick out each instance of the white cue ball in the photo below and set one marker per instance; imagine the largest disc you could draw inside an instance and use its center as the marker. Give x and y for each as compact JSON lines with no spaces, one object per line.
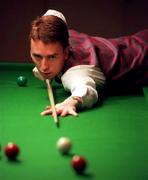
{"x":64,"y":145}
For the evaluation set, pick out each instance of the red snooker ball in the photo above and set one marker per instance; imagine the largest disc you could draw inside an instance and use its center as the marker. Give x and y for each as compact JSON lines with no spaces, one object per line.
{"x":11,"y":151}
{"x":79,"y":164}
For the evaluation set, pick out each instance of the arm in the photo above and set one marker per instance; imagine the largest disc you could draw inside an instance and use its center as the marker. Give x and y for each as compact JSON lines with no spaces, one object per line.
{"x":68,"y":106}
{"x":81,"y":81}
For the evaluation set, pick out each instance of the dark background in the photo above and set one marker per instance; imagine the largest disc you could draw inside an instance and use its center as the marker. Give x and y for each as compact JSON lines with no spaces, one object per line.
{"x":106,"y":18}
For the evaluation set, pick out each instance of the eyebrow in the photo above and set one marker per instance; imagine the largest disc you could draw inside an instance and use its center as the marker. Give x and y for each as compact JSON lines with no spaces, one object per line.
{"x":48,"y":56}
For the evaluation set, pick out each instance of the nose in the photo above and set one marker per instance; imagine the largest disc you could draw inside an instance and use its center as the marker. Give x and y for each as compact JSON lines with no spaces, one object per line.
{"x":44,"y":67}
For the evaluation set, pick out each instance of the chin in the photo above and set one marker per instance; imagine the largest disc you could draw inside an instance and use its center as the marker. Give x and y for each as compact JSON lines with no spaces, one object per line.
{"x":49,"y":77}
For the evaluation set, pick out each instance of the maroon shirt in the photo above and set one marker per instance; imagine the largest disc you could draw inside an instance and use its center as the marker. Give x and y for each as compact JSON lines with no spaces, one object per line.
{"x":123,"y":60}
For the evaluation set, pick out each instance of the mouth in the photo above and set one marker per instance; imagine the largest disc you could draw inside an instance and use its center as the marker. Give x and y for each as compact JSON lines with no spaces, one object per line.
{"x":48,"y":75}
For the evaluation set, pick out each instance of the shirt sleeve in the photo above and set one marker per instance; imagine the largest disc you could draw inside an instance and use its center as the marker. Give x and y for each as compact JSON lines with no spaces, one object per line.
{"x":83,"y":81}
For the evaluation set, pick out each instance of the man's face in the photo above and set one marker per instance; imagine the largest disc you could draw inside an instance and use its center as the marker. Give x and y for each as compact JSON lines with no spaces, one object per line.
{"x":48,"y":58}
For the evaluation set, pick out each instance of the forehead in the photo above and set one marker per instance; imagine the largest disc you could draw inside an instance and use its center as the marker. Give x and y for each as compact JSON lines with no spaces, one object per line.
{"x":39,"y":47}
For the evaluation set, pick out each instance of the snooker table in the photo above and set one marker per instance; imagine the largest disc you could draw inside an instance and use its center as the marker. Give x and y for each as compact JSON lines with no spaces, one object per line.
{"x":112,"y":137}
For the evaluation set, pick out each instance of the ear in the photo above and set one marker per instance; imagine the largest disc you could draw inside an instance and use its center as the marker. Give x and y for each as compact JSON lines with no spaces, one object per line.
{"x":66,"y":52}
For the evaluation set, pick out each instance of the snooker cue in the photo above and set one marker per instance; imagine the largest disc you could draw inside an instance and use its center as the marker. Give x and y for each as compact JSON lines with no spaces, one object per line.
{"x":52,"y":102}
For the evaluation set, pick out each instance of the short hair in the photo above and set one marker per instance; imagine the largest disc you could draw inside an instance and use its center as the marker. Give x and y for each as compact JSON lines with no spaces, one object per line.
{"x":50,"y":29}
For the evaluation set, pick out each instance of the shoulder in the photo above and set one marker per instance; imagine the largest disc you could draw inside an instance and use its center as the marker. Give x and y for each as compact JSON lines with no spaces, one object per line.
{"x":77,"y":34}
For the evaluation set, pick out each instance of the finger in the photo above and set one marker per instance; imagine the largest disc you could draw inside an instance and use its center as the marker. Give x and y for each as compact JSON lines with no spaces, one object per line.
{"x":72,"y":112}
{"x":59,"y":111}
{"x":64,"y":113}
{"x":46,"y":112}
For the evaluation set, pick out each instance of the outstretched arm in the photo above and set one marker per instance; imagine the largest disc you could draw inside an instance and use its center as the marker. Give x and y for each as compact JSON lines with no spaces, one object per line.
{"x":81,"y":81}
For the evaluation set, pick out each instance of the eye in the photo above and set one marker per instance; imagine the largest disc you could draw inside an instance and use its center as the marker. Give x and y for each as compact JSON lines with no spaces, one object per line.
{"x":37,"y":56}
{"x":52,"y":57}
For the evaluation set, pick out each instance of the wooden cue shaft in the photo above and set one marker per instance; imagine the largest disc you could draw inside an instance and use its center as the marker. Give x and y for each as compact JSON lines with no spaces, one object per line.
{"x":52,"y":102}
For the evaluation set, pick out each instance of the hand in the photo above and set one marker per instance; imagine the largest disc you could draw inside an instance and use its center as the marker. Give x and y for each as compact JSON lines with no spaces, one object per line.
{"x":69,"y":106}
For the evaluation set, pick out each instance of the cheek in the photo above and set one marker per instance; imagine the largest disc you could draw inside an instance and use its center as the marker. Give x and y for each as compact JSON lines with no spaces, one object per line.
{"x":58,"y":66}
{"x":33,"y":59}
{"x":37,"y":63}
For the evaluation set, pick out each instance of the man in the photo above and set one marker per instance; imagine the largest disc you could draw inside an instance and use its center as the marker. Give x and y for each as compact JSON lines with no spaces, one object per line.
{"x":85,"y":64}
